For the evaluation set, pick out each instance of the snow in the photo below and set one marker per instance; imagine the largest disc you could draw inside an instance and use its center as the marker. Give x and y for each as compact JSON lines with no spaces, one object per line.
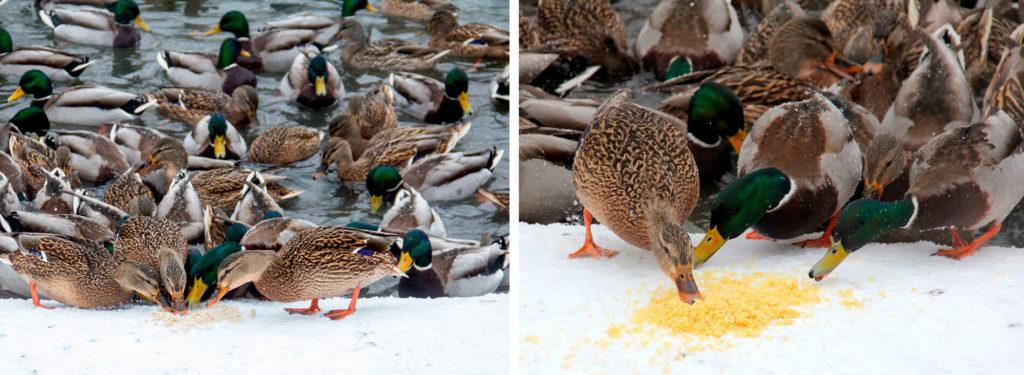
{"x":446,"y":335}
{"x":919,"y":314}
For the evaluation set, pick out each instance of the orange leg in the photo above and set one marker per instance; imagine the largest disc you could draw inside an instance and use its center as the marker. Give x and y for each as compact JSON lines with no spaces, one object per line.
{"x":341,"y":314}
{"x":35,"y":296}
{"x":314,"y":308}
{"x":589,"y":248}
{"x":957,"y":241}
{"x":753,"y":235}
{"x":961,"y":252}
{"x":826,"y":238}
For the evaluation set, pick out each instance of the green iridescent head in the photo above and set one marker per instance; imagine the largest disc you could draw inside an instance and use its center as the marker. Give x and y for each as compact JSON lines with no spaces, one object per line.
{"x":381,"y":182}
{"x":235,"y":233}
{"x":36,"y":83}
{"x":127,"y":12}
{"x":680,"y":65}
{"x":32,"y":121}
{"x":230,"y":51}
{"x":6,"y":44}
{"x":350,"y":7}
{"x":859,"y":223}
{"x":716,"y":113}
{"x":233,"y":22}
{"x":416,"y":244}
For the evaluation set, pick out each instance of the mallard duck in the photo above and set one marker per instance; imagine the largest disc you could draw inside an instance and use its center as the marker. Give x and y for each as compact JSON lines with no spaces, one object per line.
{"x":51,"y":198}
{"x":77,"y":272}
{"x":62,"y":224}
{"x":285,"y":145}
{"x":802,"y":162}
{"x":500,"y":86}
{"x":221,"y":187}
{"x":95,"y":158}
{"x":386,"y":54}
{"x":410,"y":211}
{"x":218,"y":73}
{"x":370,"y":114}
{"x":984,"y":36}
{"x":716,"y":129}
{"x":396,"y":153}
{"x":215,"y":137}
{"x":590,"y":30}
{"x":215,"y":223}
{"x":706,"y":34}
{"x":58,"y":65}
{"x":168,"y":156}
{"x":474,"y":40}
{"x":189,"y":105}
{"x":312,"y":82}
{"x":33,"y":159}
{"x":158,"y":243}
{"x":97,"y":27}
{"x":274,"y":231}
{"x":125,"y":189}
{"x":647,"y":205}
{"x":443,"y":177}
{"x":181,"y":205}
{"x":136,"y":143}
{"x":459,"y":272}
{"x":1005,"y":91}
{"x":204,"y":272}
{"x":965,"y":179}
{"x":553,"y":73}
{"x":755,"y":48}
{"x":317,"y":263}
{"x":431,"y":100}
{"x":80,"y":105}
{"x":417,"y":10}
{"x":255,"y":203}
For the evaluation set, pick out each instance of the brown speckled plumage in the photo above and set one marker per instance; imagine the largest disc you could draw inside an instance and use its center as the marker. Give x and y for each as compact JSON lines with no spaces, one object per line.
{"x":285,"y":145}
{"x":588,"y":28}
{"x":755,"y":48}
{"x":189,"y":105}
{"x":397,"y":153}
{"x":140,"y":237}
{"x":125,"y":189}
{"x":222,"y":187}
{"x":446,"y":34}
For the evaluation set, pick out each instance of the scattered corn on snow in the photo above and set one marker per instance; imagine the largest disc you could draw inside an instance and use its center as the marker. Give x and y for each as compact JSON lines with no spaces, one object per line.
{"x":887,"y":309}
{"x":444,"y":336}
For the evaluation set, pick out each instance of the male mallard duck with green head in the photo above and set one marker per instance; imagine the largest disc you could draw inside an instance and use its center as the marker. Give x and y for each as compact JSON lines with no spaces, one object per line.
{"x":98,"y":27}
{"x":215,"y":137}
{"x":704,"y":34}
{"x":716,"y":129}
{"x":313,"y":82}
{"x":431,"y":100}
{"x":80,"y":105}
{"x":218,"y":73}
{"x":203,"y":273}
{"x":58,"y":65}
{"x":965,"y":179}
{"x":457,"y":272}
{"x":442,"y":177}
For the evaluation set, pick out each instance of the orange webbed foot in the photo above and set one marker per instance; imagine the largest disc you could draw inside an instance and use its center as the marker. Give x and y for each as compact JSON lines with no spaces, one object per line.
{"x":957,"y":253}
{"x":817,"y":242}
{"x":592,"y":250}
{"x":753,"y":235}
{"x":313,"y":308}
{"x":339,"y":314}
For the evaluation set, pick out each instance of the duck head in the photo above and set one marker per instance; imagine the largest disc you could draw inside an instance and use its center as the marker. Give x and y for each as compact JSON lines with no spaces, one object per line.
{"x":382,"y":181}
{"x":859,"y":223}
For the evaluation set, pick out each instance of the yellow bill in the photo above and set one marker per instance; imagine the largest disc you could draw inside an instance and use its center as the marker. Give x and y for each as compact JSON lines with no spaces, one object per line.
{"x":18,"y":93}
{"x":464,"y":102}
{"x":245,"y":54}
{"x":212,"y":31}
{"x":370,"y":8}
{"x":736,"y":140}
{"x":219,"y":147}
{"x":321,"y":86}
{"x":405,"y":262}
{"x":836,"y":254}
{"x":196,"y":294}
{"x":142,"y":24}
{"x":708,"y":246}
{"x":375,"y":202}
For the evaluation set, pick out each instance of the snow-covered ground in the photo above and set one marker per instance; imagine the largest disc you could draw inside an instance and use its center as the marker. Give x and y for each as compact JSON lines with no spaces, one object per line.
{"x":917,"y":313}
{"x":385,"y":335}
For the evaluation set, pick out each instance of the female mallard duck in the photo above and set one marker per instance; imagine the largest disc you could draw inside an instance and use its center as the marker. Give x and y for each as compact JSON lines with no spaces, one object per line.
{"x":386,"y":54}
{"x":457,"y":272}
{"x":473,"y":40}
{"x":706,"y":34}
{"x":417,"y":10}
{"x":220,"y":73}
{"x":62,"y":224}
{"x":181,"y":205}
{"x":77,"y":272}
{"x":95,"y":158}
{"x":204,"y":272}
{"x":802,"y":163}
{"x":33,"y":159}
{"x":643,"y":194}
{"x":274,"y":231}
{"x":591,"y":31}
{"x":317,"y":263}
{"x":411,"y":211}
{"x":429,"y":139}
{"x":365,"y":117}
{"x":255,"y":203}
{"x":755,"y":48}
{"x":59,"y":65}
{"x":397,"y":153}
{"x":215,"y":137}
{"x":189,"y":105}
{"x":965,"y":179}
{"x":161,"y":163}
{"x":285,"y":145}
{"x":1006,"y":89}
{"x":80,"y":105}
{"x":125,"y":189}
{"x":430,"y":100}
{"x":312,"y":82}
{"x":97,"y":27}
{"x":158,"y":243}
{"x":221,"y":187}
{"x":443,"y":177}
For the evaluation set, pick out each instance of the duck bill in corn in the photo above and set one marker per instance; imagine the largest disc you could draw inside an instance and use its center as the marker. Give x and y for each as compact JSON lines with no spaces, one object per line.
{"x":467,"y":108}
{"x":222,"y":290}
{"x":321,"y":86}
{"x":736,"y":140}
{"x":685,"y":284}
{"x":18,"y":93}
{"x":178,"y":304}
{"x":141,"y":24}
{"x":708,"y":246}
{"x":404,"y":262}
{"x":219,"y":147}
{"x":376,"y":201}
{"x":196,"y":293}
{"x":835,"y":255}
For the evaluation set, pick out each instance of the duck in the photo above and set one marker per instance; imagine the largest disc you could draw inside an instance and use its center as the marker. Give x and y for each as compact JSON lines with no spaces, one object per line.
{"x":1005,"y":89}
{"x":417,"y":10}
{"x":182,"y":206}
{"x":472,"y":40}
{"x":716,"y":130}
{"x":221,"y":187}
{"x":317,"y":263}
{"x":217,"y":73}
{"x":274,"y":231}
{"x":442,"y":177}
{"x":189,"y":105}
{"x":215,"y":137}
{"x":98,"y":27}
{"x":96,"y":158}
{"x":984,"y":37}
{"x":137,"y":143}
{"x":976,"y":169}
{"x":591,"y":32}
{"x":126,"y":189}
{"x":338,"y":151}
{"x":370,"y":114}
{"x":410,"y":211}
{"x":432,"y":101}
{"x":62,"y":224}
{"x":158,"y":243}
{"x":33,"y":159}
{"x":704,"y":34}
{"x":553,"y":73}
{"x":656,"y":202}
{"x":255,"y":202}
{"x":51,"y":198}
{"x":203,"y":273}
{"x":428,"y":139}
{"x":166,"y":155}
{"x":755,"y":48}
{"x":385,"y":54}
{"x":77,"y":272}
{"x":59,"y":65}
{"x":802,"y":161}
{"x":458,"y":272}
{"x":281,"y":145}
{"x":500,"y":86}
{"x":215,"y":223}
{"x":313,"y":82}
{"x":85,"y":105}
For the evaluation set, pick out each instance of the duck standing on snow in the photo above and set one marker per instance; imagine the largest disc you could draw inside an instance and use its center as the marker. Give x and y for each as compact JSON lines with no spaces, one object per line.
{"x":642,"y":193}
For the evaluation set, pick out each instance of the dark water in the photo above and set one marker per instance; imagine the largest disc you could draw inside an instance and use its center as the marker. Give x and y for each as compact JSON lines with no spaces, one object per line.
{"x":327,"y":201}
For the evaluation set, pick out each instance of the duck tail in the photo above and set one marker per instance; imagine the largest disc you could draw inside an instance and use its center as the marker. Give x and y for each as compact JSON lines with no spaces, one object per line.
{"x":49,"y":18}
{"x":498,"y":264}
{"x":138,"y":105}
{"x":496,"y":154}
{"x":163,"y":58}
{"x":458,"y":131}
{"x":77,"y":66}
